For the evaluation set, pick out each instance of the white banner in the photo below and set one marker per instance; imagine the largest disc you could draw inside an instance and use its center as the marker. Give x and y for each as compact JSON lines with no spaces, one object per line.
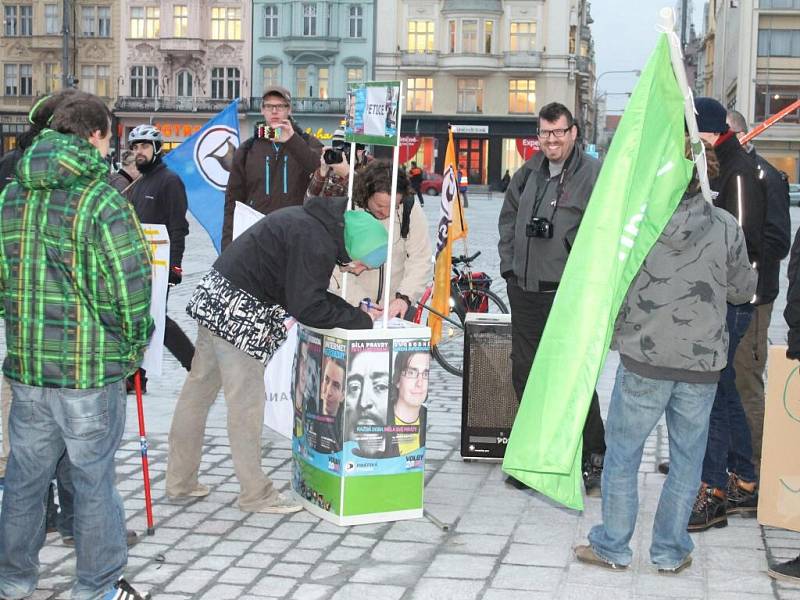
{"x":158,"y":239}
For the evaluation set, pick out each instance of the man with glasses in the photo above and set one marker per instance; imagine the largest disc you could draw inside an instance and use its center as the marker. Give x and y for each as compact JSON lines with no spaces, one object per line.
{"x":542,"y":210}
{"x":271,"y":169}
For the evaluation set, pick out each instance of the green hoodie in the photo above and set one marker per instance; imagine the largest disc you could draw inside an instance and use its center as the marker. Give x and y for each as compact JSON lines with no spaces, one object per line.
{"x":74,"y":270}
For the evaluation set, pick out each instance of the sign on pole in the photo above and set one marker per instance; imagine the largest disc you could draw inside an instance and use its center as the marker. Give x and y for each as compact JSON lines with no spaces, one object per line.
{"x":372,"y":113}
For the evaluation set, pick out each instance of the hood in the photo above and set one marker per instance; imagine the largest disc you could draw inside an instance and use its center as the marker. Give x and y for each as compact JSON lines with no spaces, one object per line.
{"x":330,"y":212}
{"x":690,"y":222}
{"x":59,"y":161}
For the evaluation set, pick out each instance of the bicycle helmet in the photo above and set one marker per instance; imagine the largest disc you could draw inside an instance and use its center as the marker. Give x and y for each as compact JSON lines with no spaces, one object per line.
{"x":146,"y":133}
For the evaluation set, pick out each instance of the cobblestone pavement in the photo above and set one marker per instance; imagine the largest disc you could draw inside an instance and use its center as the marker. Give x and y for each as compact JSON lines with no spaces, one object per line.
{"x":499,"y":543}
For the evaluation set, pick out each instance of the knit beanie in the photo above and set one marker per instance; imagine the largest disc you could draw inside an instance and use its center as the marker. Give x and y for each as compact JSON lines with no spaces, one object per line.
{"x":365,"y":238}
{"x":710,"y":116}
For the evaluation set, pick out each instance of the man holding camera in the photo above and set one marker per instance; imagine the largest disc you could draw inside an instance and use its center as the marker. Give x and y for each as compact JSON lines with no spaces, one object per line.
{"x":271,"y":169}
{"x":542,"y":210}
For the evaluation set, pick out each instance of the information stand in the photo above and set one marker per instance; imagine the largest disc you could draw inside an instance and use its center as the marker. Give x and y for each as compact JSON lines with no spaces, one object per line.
{"x":358,"y":450}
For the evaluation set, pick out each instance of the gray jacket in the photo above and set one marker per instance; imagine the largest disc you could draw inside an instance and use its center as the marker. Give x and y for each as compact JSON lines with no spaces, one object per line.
{"x":537,"y":263}
{"x":672,"y":321}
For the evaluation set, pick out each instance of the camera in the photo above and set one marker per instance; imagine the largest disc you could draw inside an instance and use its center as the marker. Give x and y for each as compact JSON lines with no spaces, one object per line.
{"x":336,"y":154}
{"x":539,"y":227}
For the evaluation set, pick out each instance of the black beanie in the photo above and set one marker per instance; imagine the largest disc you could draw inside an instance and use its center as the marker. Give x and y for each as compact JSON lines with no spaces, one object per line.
{"x":710,"y":115}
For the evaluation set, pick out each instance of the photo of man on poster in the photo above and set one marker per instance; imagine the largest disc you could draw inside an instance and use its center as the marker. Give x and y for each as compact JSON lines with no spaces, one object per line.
{"x":327,"y":423}
{"x":367,"y":399}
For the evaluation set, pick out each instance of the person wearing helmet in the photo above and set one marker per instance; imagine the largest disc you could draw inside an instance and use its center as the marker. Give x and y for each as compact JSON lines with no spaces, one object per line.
{"x":159,"y":197}
{"x":271,"y":169}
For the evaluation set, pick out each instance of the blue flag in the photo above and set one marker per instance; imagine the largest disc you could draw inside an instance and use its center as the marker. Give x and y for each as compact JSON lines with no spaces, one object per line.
{"x":203,"y":163}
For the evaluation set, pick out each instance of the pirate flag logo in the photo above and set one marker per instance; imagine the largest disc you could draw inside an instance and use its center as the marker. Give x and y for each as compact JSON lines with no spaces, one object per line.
{"x":213,"y":154}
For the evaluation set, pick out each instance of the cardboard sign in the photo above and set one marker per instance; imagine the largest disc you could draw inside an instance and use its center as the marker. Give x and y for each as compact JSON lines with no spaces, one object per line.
{"x":157,"y":237}
{"x":779,"y":494}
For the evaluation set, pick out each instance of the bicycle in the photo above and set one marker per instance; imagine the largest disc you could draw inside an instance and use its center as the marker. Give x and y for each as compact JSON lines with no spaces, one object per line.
{"x":469,"y":293}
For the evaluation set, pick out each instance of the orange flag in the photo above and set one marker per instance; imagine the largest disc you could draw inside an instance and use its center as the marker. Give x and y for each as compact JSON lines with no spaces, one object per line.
{"x":452,"y":226}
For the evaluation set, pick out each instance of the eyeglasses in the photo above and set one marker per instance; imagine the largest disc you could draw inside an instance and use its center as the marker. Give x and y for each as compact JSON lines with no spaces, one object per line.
{"x":274,"y":107}
{"x":412,"y":373}
{"x":557,"y":133}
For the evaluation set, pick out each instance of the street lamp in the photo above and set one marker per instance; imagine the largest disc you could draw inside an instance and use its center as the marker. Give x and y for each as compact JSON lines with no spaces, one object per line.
{"x":636,"y":72}
{"x":597,"y":112}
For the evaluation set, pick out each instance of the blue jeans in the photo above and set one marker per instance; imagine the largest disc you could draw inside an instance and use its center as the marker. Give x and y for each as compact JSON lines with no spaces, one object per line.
{"x":43,"y":423}
{"x":728,"y":430}
{"x":637,"y":404}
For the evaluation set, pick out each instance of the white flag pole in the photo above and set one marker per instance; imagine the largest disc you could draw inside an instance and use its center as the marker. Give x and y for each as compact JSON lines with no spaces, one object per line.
{"x":667,"y":25}
{"x":387,"y":272}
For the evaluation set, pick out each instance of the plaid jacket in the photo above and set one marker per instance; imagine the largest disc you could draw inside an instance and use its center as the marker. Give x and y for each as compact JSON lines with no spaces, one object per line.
{"x":74,"y":270}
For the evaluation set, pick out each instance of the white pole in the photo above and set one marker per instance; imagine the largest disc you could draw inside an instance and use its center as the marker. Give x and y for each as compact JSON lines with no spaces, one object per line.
{"x":667,"y":25}
{"x":350,"y":178}
{"x":387,"y":272}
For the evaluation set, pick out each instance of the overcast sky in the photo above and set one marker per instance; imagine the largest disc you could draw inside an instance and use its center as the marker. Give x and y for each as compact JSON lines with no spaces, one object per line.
{"x":624,"y":39}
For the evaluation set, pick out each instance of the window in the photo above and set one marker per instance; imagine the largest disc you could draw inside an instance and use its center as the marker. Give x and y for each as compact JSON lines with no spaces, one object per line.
{"x":771,"y":99}
{"x":322,"y":82}
{"x":26,"y":22}
{"x":355,"y":74}
{"x":226,"y":23}
{"x":137,"y":82}
{"x":10,"y":24}
{"x":523,"y":37}
{"x":18,"y":20}
{"x":18,"y":79}
{"x":779,"y":42}
{"x":225,"y":83}
{"x":184,"y":83}
{"x":52,"y":24}
{"x":271,"y":76}
{"x":419,"y":96}
{"x":779,"y":4}
{"x":270,"y":20}
{"x":301,"y":82}
{"x":89,"y":21}
{"x":180,"y":21}
{"x":356,"y":21}
{"x":420,"y":36}
{"x":52,"y":77}
{"x":522,"y":96}
{"x":309,"y":19}
{"x":151,"y":82}
{"x":96,"y":79}
{"x":469,"y":35}
{"x":470,"y":95}
{"x":137,"y":22}
{"x":451,"y":36}
{"x":488,"y":31}
{"x":104,"y":21}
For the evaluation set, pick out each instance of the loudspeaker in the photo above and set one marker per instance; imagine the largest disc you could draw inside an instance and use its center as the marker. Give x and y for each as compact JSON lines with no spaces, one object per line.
{"x":488,"y":404}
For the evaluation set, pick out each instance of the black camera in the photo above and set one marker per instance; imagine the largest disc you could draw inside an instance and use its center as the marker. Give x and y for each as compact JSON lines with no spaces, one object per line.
{"x":539,"y":227}
{"x":333,"y":156}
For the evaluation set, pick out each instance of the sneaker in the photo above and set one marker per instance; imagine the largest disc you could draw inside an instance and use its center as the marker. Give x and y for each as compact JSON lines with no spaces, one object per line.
{"x":786,"y":571}
{"x":592,"y":472}
{"x":587,"y":555}
{"x":124,"y":591}
{"x":200,"y":491}
{"x":283,"y":504}
{"x":131,"y":539}
{"x":740,"y":501}
{"x":709,"y":510}
{"x":684,"y":564}
{"x":663,"y":467}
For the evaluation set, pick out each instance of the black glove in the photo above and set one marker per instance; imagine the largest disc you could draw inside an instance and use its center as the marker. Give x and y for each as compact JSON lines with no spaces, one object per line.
{"x":793,"y":348}
{"x":175,"y":275}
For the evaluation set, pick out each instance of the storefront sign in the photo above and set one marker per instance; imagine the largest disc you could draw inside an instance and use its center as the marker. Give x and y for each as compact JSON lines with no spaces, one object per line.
{"x":178,"y":130}
{"x":480,"y":129}
{"x":409,"y":145}
{"x":320,"y":134}
{"x":527,"y":147}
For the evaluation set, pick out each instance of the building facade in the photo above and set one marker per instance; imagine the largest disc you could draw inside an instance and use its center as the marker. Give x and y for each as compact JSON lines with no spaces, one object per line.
{"x":34,"y":53}
{"x":485,"y":66}
{"x":757,"y":71}
{"x":181,"y":62}
{"x":313,"y":49}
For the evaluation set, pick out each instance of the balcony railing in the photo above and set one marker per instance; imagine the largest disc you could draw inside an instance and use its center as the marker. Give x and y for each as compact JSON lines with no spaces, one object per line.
{"x":325,"y":106}
{"x":214,"y":105}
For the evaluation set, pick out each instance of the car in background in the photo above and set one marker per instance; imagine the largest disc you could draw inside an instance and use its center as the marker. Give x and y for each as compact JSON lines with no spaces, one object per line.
{"x":431,"y":184}
{"x":794,"y":194}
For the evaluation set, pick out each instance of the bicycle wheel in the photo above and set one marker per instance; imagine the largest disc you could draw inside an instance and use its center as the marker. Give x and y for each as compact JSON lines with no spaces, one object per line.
{"x":449,"y":352}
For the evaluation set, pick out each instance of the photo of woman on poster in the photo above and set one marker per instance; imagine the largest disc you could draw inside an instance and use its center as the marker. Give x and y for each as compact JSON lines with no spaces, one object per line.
{"x":409,"y":392}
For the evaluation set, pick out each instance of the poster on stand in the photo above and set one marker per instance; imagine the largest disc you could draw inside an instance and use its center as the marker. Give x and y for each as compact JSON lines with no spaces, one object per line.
{"x":371,"y":113}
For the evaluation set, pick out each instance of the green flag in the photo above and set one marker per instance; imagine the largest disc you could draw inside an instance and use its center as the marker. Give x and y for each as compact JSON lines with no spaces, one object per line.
{"x":641,"y":182}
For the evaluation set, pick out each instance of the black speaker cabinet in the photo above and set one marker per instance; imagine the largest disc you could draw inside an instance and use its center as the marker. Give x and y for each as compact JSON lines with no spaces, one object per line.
{"x":489,"y":403}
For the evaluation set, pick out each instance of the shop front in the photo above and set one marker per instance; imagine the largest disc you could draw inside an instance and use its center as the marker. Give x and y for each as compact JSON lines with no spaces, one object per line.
{"x":486,"y":149}
{"x":11,"y":126}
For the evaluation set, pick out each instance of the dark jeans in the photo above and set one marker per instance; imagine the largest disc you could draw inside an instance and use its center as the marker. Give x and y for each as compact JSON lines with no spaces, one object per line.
{"x":529,"y":312}
{"x":728,"y":429}
{"x":419,"y":196}
{"x":177,"y":342}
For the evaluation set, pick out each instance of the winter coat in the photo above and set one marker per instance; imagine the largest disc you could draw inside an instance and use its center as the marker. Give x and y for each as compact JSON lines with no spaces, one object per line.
{"x":672,"y":321}
{"x":159,"y":197}
{"x":120,"y":181}
{"x":412,"y":265}
{"x":538,"y":263}
{"x":74,"y":270}
{"x":267,"y":176}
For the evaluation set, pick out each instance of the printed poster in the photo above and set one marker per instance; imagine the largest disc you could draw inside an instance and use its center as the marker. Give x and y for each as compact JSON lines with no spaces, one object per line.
{"x":371,"y":113}
{"x":158,"y":240}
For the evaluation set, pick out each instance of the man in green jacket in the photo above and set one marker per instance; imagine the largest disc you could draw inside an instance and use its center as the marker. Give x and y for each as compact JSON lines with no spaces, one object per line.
{"x":75,"y":291}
